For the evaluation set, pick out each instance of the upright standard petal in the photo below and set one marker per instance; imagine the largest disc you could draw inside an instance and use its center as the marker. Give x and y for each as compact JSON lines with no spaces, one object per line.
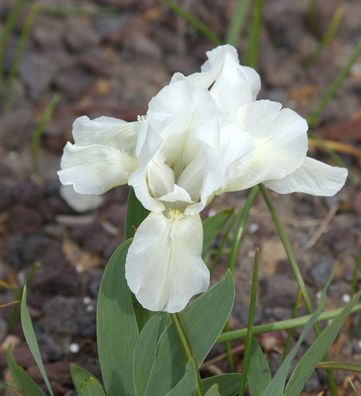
{"x":164,"y":268}
{"x":312,"y":177}
{"x":231,"y":84}
{"x":280,"y":143}
{"x":95,"y":169}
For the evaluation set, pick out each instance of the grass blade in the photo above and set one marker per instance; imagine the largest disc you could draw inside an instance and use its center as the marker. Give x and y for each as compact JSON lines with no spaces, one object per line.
{"x":330,"y":92}
{"x":283,"y":324}
{"x":194,"y":22}
{"x":252,"y":48}
{"x":295,"y":269}
{"x":249,"y":336}
{"x":236,"y":23}
{"x":22,"y":379}
{"x":39,"y":130}
{"x":30,"y":338}
{"x":317,"y":350}
{"x":8,"y":27}
{"x":344,"y":366}
{"x":243,"y":217}
{"x":276,"y":386}
{"x":28,"y":24}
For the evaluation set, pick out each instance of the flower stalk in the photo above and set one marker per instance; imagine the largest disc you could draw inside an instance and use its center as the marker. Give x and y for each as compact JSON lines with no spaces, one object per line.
{"x":287,"y":324}
{"x":187,"y":348}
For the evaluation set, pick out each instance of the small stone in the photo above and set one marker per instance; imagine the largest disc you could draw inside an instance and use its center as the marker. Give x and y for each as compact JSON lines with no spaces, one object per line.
{"x":16,"y":128}
{"x":37,"y":71}
{"x":109,"y":25}
{"x":313,"y":384}
{"x":74,"y":347}
{"x":73,"y":82}
{"x":3,"y":329}
{"x":24,"y":220}
{"x":321,"y":271}
{"x":79,"y":35}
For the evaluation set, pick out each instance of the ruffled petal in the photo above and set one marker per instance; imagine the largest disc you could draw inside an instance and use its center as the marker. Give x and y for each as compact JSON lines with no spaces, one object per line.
{"x":280,"y":143}
{"x":106,"y":131}
{"x":95,"y":169}
{"x":164,"y":268}
{"x":312,"y":177}
{"x":230,"y":84}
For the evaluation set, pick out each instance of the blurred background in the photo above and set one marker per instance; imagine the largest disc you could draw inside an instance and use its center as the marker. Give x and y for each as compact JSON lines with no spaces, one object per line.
{"x":61,"y":59}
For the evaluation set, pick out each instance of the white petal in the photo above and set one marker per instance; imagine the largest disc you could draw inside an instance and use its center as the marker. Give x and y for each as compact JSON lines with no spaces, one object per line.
{"x":178,"y":194}
{"x":106,"y":131}
{"x":80,"y":203}
{"x":164,"y":268}
{"x":280,"y":143}
{"x":95,"y":169}
{"x":312,"y":177}
{"x":160,"y":178}
{"x":230,"y":84}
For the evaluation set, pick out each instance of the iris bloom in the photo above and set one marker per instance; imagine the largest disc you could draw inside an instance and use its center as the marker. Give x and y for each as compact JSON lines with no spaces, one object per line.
{"x":203,"y":135}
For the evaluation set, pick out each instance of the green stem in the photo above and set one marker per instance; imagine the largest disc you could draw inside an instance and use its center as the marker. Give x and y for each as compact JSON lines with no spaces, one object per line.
{"x":29,"y":21}
{"x":355,"y":270}
{"x":341,"y":366}
{"x":287,"y":246}
{"x":290,"y":332}
{"x":282,"y":325}
{"x":249,"y":336}
{"x":240,"y":228}
{"x":39,"y":130}
{"x":8,"y":27}
{"x":327,"y":96}
{"x":236,"y":23}
{"x":252,"y":48}
{"x":182,"y":334}
{"x":296,"y":271}
{"x":194,"y":22}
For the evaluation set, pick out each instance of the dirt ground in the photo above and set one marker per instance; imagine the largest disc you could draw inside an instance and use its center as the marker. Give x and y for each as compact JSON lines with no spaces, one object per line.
{"x":112,"y":63}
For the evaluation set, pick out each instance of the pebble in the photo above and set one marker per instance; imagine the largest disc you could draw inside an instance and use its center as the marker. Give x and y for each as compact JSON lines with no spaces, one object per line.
{"x":74,"y":347}
{"x":37,"y":71}
{"x":320,"y":271}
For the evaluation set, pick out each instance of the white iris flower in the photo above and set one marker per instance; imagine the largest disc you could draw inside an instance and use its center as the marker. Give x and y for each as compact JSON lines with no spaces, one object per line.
{"x":203,"y":135}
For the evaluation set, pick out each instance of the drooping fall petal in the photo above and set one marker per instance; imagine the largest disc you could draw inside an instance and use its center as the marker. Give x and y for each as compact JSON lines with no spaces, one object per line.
{"x":164,"y":268}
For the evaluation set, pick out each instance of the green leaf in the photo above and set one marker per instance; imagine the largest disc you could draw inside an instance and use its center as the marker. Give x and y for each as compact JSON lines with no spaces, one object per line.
{"x":117,"y":328}
{"x":136,"y":213}
{"x":228,"y":383}
{"x":91,"y":387}
{"x":203,"y":320}
{"x":22,"y":379}
{"x":145,"y":350}
{"x":317,"y":351}
{"x":213,"y":225}
{"x":259,"y":374}
{"x":31,"y":340}
{"x":213,"y":391}
{"x":276,"y":386}
{"x":84,"y":382}
{"x":188,"y":384}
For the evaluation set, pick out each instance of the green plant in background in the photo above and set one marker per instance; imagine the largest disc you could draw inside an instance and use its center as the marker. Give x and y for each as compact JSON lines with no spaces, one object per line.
{"x":147,"y":353}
